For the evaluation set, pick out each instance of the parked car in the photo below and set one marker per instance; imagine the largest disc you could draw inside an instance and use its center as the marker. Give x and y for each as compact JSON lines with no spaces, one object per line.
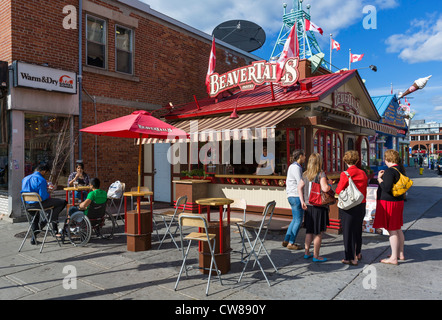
{"x":439,"y":166}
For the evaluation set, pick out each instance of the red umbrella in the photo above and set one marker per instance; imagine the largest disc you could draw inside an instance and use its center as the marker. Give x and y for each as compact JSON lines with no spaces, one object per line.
{"x":138,"y":125}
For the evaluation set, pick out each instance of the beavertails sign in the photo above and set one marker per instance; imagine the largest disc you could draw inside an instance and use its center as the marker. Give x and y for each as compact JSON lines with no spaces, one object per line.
{"x":255,"y":74}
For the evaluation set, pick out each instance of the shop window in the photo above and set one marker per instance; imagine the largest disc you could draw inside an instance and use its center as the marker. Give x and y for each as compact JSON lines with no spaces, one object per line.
{"x":364,"y":153}
{"x":329,"y":145}
{"x":124,"y":49}
{"x":96,"y":42}
{"x":48,"y":140}
{"x":293,"y":143}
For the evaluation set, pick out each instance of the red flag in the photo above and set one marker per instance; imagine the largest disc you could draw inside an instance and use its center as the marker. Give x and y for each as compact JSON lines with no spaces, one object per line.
{"x":310,"y":26}
{"x":212,"y":63}
{"x":291,"y":49}
{"x":336,"y":45}
{"x":355,"y":57}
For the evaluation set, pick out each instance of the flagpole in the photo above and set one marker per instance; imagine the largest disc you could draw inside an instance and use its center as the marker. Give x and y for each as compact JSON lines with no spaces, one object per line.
{"x":349,"y":60}
{"x":331,"y":49}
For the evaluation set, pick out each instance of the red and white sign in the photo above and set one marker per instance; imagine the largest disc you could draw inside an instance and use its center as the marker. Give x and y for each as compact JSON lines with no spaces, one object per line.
{"x":45,"y":78}
{"x":310,"y":26}
{"x":257,"y":73}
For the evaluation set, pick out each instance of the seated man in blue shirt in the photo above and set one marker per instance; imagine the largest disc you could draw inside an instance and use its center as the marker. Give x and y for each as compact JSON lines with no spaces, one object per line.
{"x":37,"y":183}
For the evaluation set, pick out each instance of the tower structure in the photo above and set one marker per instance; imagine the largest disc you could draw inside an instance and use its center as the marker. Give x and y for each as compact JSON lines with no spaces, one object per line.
{"x":308,"y":46}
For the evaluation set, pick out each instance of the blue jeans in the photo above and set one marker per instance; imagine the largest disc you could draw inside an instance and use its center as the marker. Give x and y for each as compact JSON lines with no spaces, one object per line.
{"x":297,"y":212}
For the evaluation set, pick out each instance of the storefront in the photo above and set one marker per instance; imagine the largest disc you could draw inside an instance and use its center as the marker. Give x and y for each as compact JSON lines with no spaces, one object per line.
{"x":42,"y":103}
{"x":328,"y":114}
{"x":387,"y":107}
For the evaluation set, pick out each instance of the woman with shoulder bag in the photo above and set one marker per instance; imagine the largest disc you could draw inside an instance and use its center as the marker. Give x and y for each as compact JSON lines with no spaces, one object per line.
{"x":352,"y":218}
{"x":316,"y":218}
{"x":390,"y":209}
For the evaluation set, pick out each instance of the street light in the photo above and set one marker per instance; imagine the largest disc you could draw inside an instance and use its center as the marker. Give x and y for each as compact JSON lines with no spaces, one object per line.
{"x":372,"y":67}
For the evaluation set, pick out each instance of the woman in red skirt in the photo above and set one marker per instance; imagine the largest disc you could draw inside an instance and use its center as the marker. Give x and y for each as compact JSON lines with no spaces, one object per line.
{"x":390,"y":209}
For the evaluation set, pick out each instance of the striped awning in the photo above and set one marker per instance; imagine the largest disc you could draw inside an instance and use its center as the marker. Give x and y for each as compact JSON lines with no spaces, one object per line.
{"x":366,"y":123}
{"x":257,"y":125}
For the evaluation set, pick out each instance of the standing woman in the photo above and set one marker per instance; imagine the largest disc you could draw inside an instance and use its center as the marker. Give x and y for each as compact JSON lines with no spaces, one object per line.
{"x":390,"y":209}
{"x":294,"y":176}
{"x":352,"y":218}
{"x":316,"y":218}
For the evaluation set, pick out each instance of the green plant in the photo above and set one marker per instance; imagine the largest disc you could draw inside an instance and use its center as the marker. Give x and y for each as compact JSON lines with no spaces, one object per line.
{"x":194,"y":173}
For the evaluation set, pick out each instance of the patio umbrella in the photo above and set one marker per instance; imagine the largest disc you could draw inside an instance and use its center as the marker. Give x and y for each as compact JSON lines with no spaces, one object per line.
{"x":138,"y":125}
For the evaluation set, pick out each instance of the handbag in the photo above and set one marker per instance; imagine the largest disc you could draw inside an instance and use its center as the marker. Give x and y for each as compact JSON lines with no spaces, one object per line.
{"x":351,"y":196}
{"x":402,"y":185}
{"x":318,"y":197}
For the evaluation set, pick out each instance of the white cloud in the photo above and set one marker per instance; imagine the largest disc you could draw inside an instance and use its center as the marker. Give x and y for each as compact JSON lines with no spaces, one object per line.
{"x":205,"y":15}
{"x":438,"y":108}
{"x":421,"y":43}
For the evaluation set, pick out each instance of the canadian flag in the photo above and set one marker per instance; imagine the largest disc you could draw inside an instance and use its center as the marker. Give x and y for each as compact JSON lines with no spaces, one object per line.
{"x":212,"y":63}
{"x":336,"y":45}
{"x":355,"y":57}
{"x":291,"y":49}
{"x":310,"y":26}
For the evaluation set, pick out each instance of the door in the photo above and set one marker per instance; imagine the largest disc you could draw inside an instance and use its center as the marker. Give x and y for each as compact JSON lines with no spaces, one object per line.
{"x":162,"y":173}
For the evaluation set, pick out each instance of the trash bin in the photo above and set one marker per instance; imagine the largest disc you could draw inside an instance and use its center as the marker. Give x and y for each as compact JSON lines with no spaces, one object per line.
{"x":421,"y":171}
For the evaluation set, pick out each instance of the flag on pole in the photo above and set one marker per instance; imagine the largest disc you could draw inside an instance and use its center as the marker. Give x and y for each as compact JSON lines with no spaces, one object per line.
{"x":310,"y":26}
{"x":212,"y":63}
{"x":336,"y":45}
{"x":355,"y":57}
{"x":291,"y":49}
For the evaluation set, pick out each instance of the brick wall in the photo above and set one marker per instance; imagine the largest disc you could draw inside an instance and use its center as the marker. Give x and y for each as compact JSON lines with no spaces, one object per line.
{"x":170,"y":66}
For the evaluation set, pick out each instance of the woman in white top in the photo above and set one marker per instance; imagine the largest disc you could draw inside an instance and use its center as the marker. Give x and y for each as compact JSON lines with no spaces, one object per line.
{"x":294,"y":176}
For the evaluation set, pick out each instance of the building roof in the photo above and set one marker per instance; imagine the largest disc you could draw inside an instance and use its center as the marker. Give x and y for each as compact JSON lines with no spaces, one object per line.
{"x":387,"y":106}
{"x":262,"y":97}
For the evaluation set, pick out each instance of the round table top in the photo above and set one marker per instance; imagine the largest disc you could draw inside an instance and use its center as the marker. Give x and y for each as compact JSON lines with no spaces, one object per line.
{"x":214,"y":201}
{"x":78,"y":188}
{"x":137,"y":194}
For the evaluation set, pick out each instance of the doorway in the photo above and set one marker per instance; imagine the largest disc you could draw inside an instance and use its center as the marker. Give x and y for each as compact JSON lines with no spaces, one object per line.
{"x":162,"y":173}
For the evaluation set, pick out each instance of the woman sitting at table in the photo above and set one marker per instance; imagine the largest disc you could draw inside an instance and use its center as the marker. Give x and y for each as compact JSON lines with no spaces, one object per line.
{"x":79,"y":177}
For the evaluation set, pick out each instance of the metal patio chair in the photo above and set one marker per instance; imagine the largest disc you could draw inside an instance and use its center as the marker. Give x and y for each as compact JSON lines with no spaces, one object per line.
{"x":242,"y":205}
{"x":31,"y":215}
{"x":198,"y":221}
{"x":171,"y":217}
{"x":259,"y":229}
{"x":112,"y":203}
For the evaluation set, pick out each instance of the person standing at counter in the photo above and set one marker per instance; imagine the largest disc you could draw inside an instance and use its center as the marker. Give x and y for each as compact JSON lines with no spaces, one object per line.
{"x":294,"y":176}
{"x":266,"y":165}
{"x":353,"y":218}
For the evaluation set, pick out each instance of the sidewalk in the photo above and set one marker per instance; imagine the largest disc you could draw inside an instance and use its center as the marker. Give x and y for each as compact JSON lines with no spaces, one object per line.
{"x":106,"y":270}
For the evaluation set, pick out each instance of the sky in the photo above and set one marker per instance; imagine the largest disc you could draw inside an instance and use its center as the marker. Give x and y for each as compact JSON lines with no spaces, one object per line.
{"x":403,"y":38}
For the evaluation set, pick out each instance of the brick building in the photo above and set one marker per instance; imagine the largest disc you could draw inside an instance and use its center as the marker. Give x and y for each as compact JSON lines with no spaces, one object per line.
{"x":132,"y":57}
{"x":425,"y":138}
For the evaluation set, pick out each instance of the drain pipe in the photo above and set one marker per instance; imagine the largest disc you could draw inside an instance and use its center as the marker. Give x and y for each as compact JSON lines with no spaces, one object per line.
{"x":80,"y":77}
{"x":94,"y":100}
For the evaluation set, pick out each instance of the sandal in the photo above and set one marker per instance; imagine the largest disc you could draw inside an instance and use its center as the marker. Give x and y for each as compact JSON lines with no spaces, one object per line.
{"x":348,"y":262}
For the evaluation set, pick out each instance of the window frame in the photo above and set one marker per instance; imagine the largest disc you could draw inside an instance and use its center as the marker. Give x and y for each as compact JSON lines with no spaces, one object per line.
{"x":321,"y":147}
{"x":105,"y":26}
{"x":132,"y":47}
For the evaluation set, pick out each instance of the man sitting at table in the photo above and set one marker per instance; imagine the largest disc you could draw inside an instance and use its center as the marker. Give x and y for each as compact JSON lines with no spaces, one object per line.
{"x":37,"y":183}
{"x":96,"y":195}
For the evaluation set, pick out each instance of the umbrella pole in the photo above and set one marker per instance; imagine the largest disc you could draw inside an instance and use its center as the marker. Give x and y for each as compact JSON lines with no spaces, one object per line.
{"x":139,"y":164}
